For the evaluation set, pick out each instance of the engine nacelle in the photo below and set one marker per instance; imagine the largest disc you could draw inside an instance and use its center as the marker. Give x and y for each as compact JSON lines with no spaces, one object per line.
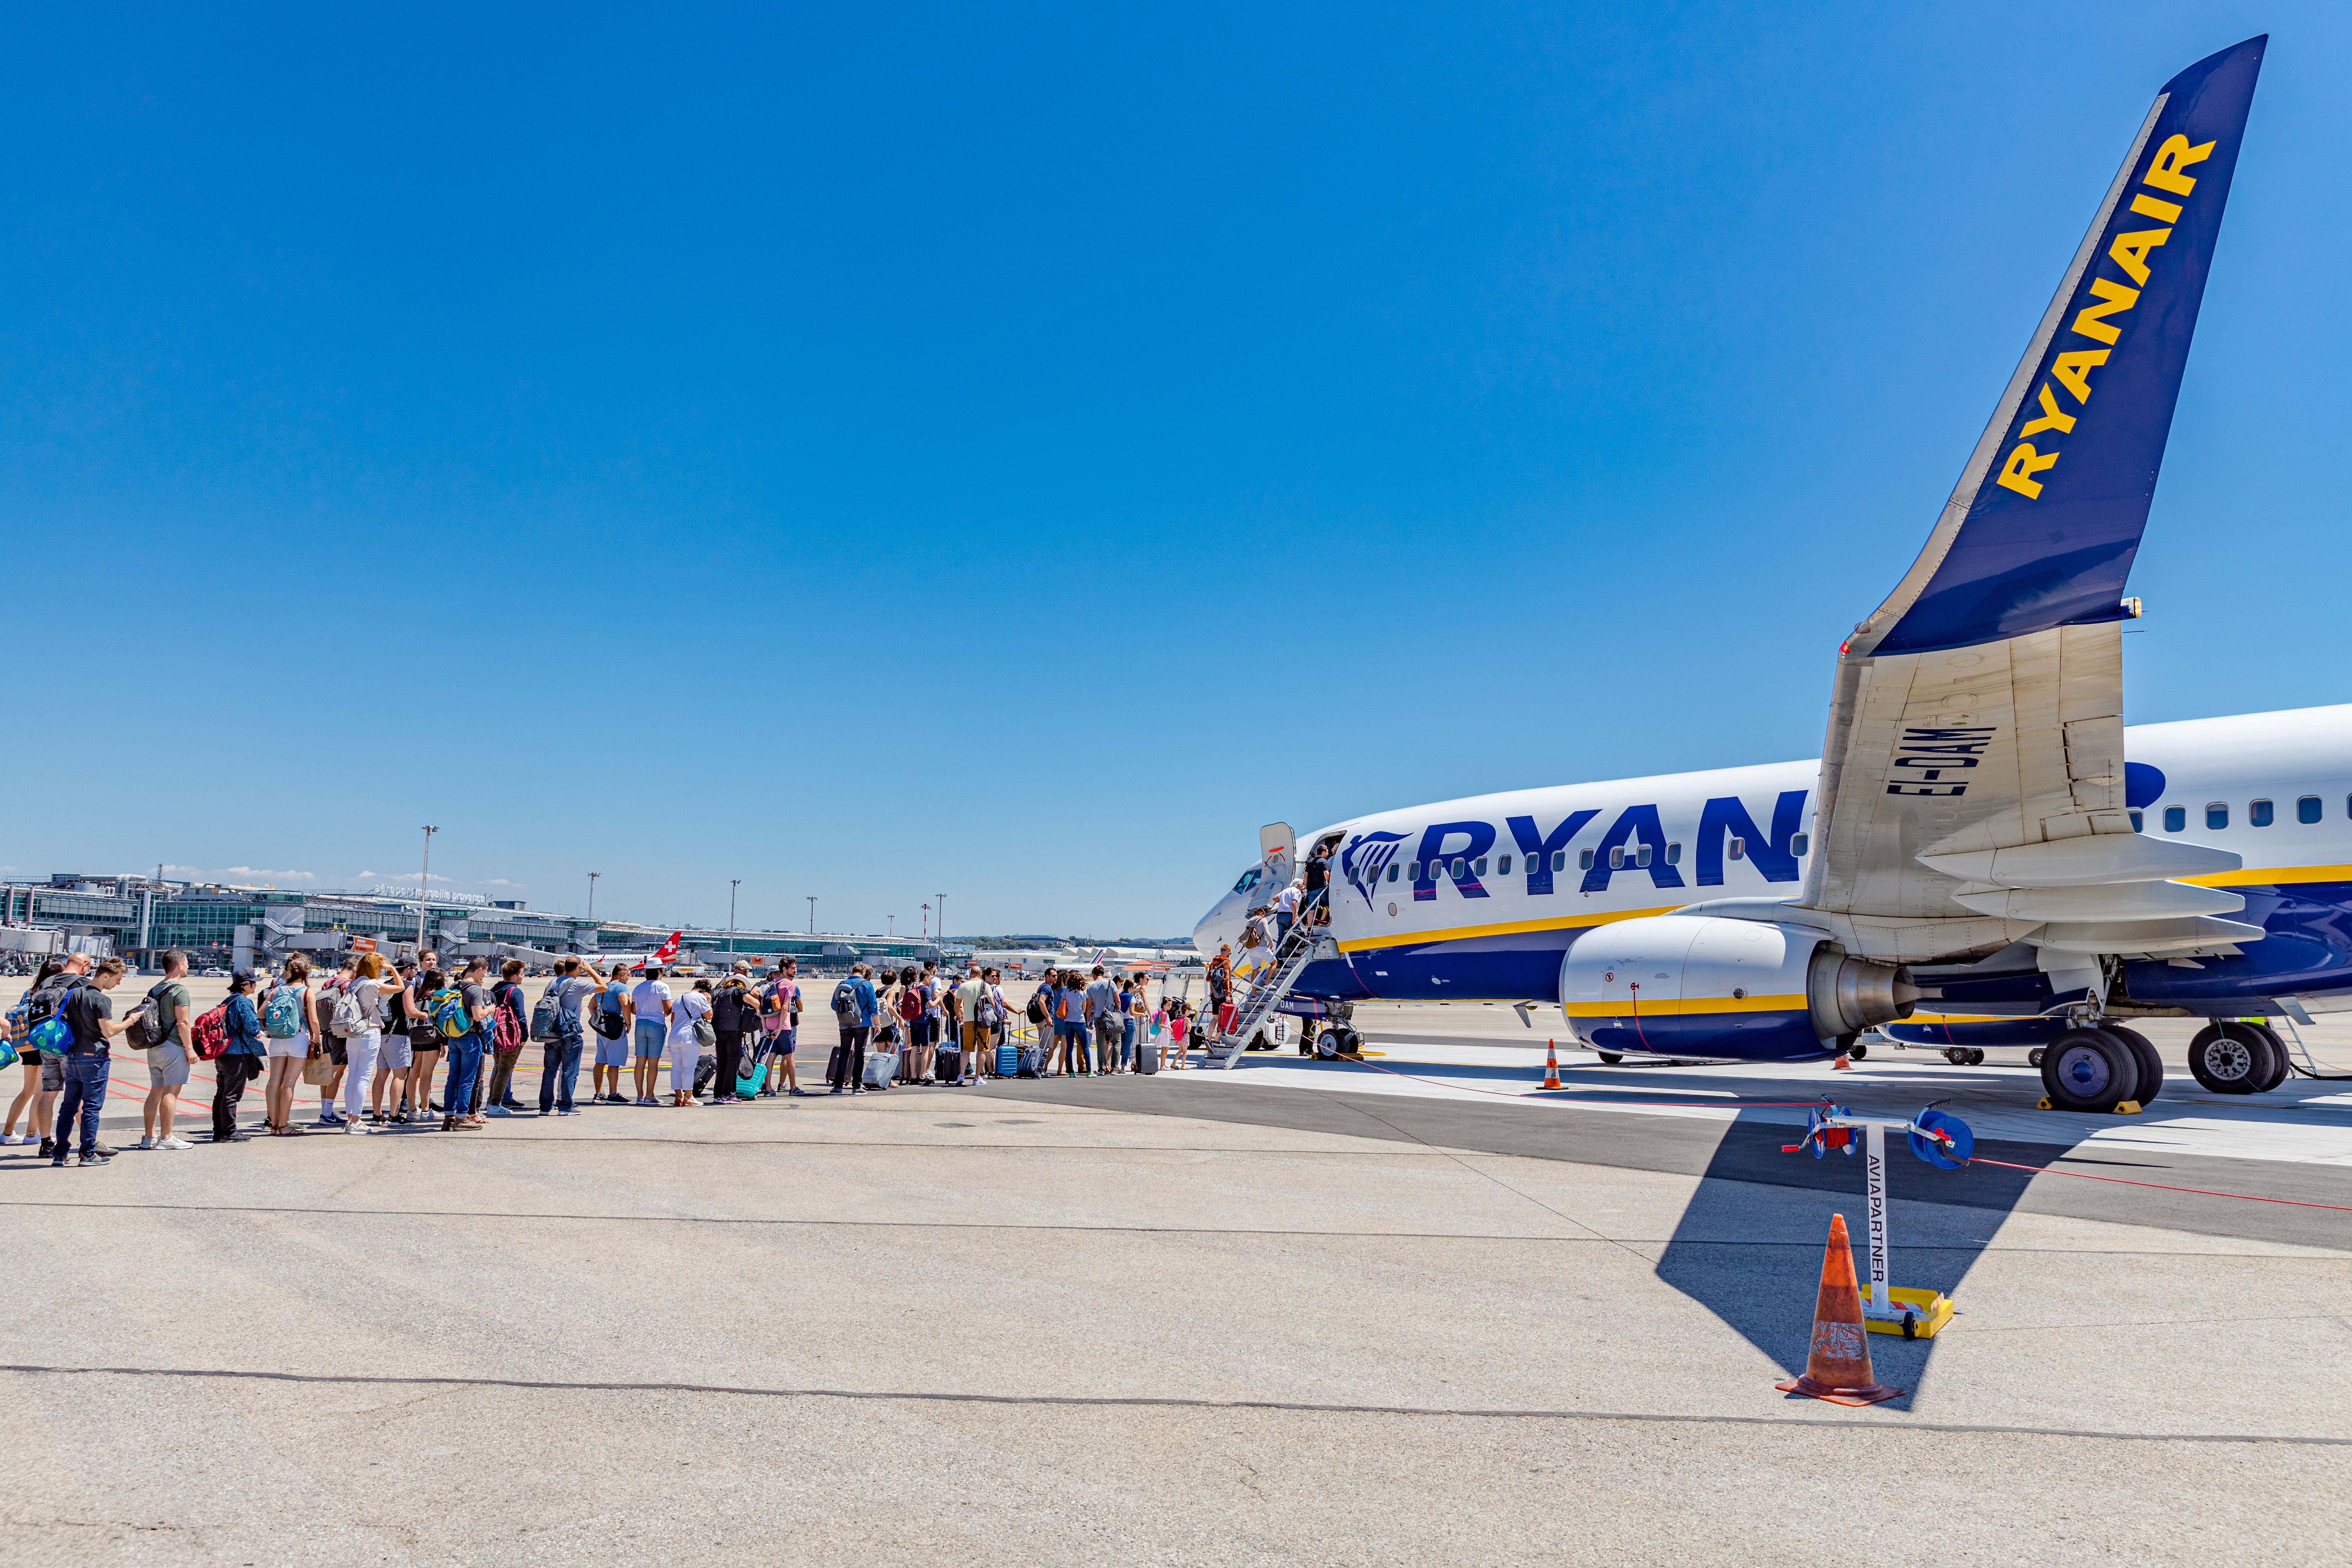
{"x":1702,"y":985}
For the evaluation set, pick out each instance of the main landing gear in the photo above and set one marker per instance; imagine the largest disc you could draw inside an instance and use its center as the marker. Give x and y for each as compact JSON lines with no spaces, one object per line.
{"x":2232,"y":1057}
{"x":2098,"y":1069}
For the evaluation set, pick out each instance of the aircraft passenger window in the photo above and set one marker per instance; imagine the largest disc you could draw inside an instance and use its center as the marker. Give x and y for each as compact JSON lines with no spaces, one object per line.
{"x":2137,"y":826}
{"x":1458,"y":869}
{"x":1674,"y":854}
{"x":1393,"y":869}
{"x":1617,"y":859}
{"x":1416,"y":870}
{"x":2307,"y":810}
{"x":2217,"y":814}
{"x":2258,"y":813}
{"x":1559,"y":860}
{"x":2176,"y":819}
{"x":1503,"y":866}
{"x":1584,"y":861}
{"x":1739,"y":848}
{"x":1478,"y":867}
{"x":1641,"y":856}
{"x":1799,"y":842}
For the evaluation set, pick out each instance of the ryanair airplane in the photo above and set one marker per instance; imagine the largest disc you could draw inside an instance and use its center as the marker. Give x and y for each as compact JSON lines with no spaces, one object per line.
{"x":1973,"y":837}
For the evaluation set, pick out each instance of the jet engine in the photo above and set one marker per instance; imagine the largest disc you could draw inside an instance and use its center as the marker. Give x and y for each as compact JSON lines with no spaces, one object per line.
{"x":1702,"y":985}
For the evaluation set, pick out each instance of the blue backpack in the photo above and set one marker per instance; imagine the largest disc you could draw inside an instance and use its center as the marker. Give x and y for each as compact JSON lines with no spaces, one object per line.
{"x":53,"y":1036}
{"x":282,"y":1018}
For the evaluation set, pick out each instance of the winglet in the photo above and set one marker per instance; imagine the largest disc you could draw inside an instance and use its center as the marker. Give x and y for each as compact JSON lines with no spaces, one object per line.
{"x":2048,"y":514}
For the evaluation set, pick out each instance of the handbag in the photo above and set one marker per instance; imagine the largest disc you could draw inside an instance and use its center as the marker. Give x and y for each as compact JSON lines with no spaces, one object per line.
{"x":318,"y":1068}
{"x":705,"y":1033}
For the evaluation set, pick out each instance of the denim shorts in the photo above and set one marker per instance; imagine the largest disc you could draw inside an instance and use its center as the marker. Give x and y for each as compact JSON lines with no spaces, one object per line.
{"x":612,"y":1053}
{"x":782,"y":1042}
{"x":652,"y":1039}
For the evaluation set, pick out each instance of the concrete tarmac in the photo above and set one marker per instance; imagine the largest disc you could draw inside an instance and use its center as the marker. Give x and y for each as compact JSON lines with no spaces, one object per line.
{"x":1018,"y":1324}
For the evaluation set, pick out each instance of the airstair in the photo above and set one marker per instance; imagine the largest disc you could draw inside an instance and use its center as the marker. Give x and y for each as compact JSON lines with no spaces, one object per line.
{"x":1270,"y":986}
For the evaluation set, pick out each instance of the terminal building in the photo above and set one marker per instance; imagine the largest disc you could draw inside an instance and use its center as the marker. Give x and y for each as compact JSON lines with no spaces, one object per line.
{"x":221,"y":925}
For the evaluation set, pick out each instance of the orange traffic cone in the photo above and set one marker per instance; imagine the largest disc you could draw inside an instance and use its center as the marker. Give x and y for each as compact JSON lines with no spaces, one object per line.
{"x":1844,"y":1064}
{"x":1837,"y":1363}
{"x":1551,"y":1064}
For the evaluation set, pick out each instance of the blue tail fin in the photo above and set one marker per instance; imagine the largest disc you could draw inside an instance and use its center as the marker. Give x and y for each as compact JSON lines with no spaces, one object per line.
{"x":2048,"y":514}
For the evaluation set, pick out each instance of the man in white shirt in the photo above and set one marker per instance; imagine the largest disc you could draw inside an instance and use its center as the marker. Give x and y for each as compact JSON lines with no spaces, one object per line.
{"x":649,"y":1003}
{"x":1285,"y":908}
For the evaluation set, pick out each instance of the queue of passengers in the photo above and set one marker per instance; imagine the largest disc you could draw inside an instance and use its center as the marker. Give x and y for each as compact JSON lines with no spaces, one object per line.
{"x":373,"y":1038}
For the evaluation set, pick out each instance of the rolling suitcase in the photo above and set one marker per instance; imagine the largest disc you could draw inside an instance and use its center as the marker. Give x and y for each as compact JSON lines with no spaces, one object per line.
{"x":1147,"y":1056}
{"x":881,"y":1067}
{"x":834,"y":1068}
{"x":1008,"y":1060}
{"x":950,"y":1064}
{"x":755,"y":1070}
{"x":1033,"y":1061}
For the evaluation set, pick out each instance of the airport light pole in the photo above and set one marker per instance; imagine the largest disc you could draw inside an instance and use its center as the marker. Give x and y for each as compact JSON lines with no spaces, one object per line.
{"x":942,"y":937}
{"x":811,"y":899}
{"x":424,"y":888}
{"x":732,"y":886}
{"x":592,"y":896}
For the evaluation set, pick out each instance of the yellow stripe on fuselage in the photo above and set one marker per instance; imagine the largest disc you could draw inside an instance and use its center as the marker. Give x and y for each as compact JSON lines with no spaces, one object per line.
{"x":1509,"y":928}
{"x":2273,"y":877}
{"x":1790,"y":1003}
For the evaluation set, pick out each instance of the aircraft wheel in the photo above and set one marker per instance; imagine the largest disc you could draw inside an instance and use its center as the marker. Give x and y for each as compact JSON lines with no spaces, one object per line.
{"x":1858,"y":1050}
{"x":1611,"y":1057}
{"x":2279,"y":1068}
{"x":2230,"y":1058}
{"x":2151,"y":1066}
{"x":2089,"y":1070}
{"x":1976,"y":1056}
{"x":2033,"y":1058}
{"x":1957,"y":1055}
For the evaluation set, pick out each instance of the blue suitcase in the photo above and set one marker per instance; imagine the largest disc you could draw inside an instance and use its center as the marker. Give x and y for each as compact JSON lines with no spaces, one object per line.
{"x":1008,"y":1060}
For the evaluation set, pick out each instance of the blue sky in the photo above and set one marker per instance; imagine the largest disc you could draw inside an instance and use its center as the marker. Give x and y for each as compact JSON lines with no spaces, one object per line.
{"x":1016,"y":451}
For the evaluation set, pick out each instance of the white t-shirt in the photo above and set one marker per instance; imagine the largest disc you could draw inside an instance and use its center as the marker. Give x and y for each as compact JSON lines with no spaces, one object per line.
{"x":370,"y":993}
{"x":648,"y":999}
{"x":689,"y":1007}
{"x":1286,"y":901}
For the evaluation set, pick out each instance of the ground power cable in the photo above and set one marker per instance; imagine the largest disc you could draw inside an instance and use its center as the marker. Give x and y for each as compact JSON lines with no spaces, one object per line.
{"x":1166,"y":1401}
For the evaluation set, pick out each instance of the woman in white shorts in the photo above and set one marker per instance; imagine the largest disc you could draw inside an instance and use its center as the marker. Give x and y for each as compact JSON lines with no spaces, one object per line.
{"x":288,"y":1052}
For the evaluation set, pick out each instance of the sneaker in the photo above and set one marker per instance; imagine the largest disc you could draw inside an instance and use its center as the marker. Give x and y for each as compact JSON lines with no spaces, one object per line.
{"x":148,"y":1142}
{"x":105,"y":1153}
{"x":90,"y":1160}
{"x":16,"y":1138}
{"x":329,"y":1119}
{"x":497,"y":1110}
{"x":357,"y":1128}
{"x":232,"y":1137}
{"x":575,"y":1112}
{"x":795,"y":1090}
{"x":835,"y":1091}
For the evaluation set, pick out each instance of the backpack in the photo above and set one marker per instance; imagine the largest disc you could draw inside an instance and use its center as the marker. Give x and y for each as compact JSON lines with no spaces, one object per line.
{"x":210,"y":1036}
{"x":506,"y":1019}
{"x":911,"y":1003}
{"x":282,"y":1019}
{"x":845,"y":1005}
{"x":984,"y":1009}
{"x":147,"y":1029}
{"x":1038,"y":1006}
{"x":53,"y":1036}
{"x":349,"y":1019}
{"x":543,"y":1026}
{"x":446,"y":1008}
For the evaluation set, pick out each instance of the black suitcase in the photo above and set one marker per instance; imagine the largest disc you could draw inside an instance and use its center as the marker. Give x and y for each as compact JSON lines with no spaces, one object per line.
{"x":950,"y":1064}
{"x":833,"y":1068}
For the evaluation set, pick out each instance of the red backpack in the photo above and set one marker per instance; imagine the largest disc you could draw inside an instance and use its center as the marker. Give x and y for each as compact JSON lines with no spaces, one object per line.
{"x":209,"y":1037}
{"x":911,"y":1003}
{"x":507,"y":1032}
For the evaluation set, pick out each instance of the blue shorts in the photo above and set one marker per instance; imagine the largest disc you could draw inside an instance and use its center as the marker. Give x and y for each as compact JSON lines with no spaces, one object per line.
{"x":781,"y":1042}
{"x":653,"y":1039}
{"x":612,"y":1053}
